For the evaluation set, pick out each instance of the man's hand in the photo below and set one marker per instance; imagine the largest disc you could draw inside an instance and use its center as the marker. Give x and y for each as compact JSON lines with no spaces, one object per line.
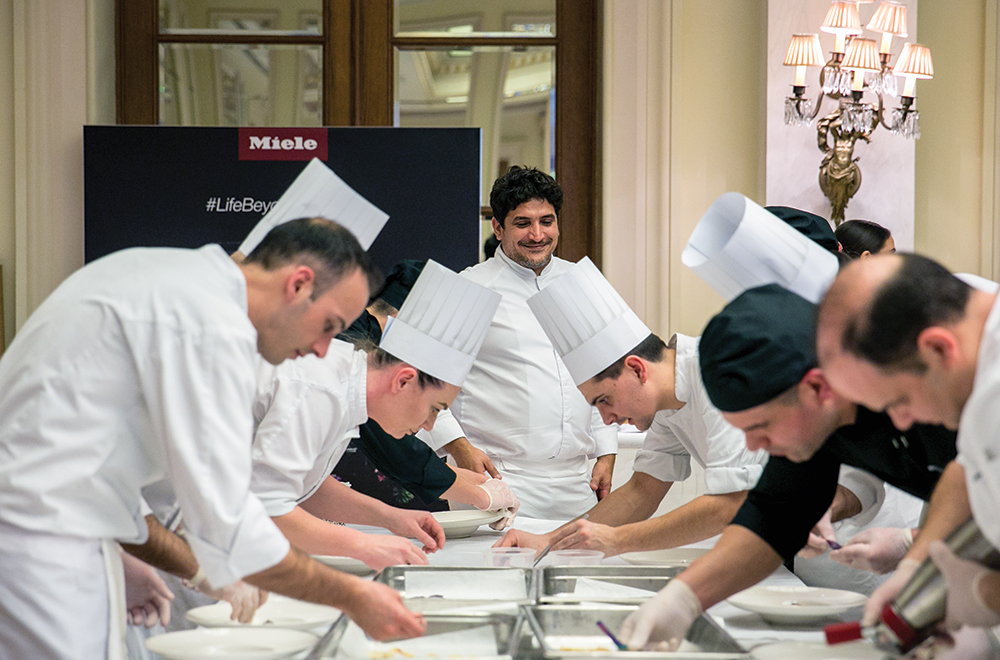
{"x":878,"y":550}
{"x":380,"y":612}
{"x":501,"y":499}
{"x":381,"y":550}
{"x":600,"y":478}
{"x":887,"y":591}
{"x":516,"y":538}
{"x":245,"y":598}
{"x":662,"y":622}
{"x":471,"y":458}
{"x":820,"y":536}
{"x":147,"y":597}
{"x":420,"y":525}
{"x":582,"y":534}
{"x":964,"y":580}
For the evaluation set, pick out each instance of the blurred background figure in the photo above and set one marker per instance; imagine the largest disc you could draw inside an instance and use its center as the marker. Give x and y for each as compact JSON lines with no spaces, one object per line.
{"x":862,"y":238}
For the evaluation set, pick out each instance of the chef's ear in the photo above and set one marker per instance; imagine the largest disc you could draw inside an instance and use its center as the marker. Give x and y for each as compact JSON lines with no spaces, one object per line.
{"x":938,"y":347}
{"x":815,"y":388}
{"x":638,"y":366}
{"x":299,"y":283}
{"x":404,"y":377}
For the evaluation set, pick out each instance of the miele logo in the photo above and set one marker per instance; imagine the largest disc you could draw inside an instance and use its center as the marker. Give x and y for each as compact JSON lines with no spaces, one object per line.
{"x":282,"y":143}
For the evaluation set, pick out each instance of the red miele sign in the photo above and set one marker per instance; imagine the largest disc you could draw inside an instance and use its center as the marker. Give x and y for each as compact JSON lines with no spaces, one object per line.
{"x":282,"y":143}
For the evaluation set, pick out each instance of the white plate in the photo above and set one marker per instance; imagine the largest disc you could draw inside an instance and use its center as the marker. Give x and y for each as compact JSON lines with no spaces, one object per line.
{"x":671,"y":557}
{"x":346,"y":564}
{"x":277,"y":612}
{"x":859,"y":650}
{"x":796,"y":604}
{"x":231,"y":643}
{"x":462,"y":523}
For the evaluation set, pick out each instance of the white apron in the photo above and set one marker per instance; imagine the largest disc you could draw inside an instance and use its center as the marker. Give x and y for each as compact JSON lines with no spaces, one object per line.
{"x":53,"y":597}
{"x":555,"y":489}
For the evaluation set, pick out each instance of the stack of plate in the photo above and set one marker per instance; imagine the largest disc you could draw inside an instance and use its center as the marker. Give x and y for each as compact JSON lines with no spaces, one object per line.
{"x":462,"y":523}
{"x":231,"y":643}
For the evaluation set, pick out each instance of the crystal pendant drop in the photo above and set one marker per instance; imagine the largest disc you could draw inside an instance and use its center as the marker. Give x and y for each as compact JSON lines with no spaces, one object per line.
{"x":889,"y":84}
{"x":798,"y":111}
{"x":905,"y":124}
{"x":831,"y":79}
{"x":874,"y":81}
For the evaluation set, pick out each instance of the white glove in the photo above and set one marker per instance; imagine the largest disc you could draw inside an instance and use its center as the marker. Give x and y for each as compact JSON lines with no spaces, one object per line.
{"x":965,"y":644}
{"x":878,"y":550}
{"x":662,"y":622}
{"x":147,"y":597}
{"x":965,"y":604}
{"x":245,"y":598}
{"x":888,"y":591}
{"x":501,"y":497}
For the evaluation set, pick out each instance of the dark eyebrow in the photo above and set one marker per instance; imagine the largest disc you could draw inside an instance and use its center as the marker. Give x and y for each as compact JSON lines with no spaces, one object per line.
{"x":754,"y":427}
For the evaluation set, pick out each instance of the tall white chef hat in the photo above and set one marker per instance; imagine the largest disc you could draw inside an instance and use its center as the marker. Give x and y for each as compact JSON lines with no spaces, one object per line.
{"x":586,"y":320}
{"x":737,"y":245}
{"x":318,"y":192}
{"x":441,"y":324}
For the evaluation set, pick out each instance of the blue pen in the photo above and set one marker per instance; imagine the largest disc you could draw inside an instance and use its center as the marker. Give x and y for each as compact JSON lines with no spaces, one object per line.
{"x":604,"y":629}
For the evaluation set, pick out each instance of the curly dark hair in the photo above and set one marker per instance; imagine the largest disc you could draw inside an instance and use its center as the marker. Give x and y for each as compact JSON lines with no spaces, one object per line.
{"x":520,"y":185}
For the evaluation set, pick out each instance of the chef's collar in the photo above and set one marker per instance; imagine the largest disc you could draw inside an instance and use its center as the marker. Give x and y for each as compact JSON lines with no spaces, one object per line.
{"x":357,"y":399}
{"x":524,"y":273}
{"x":757,"y":347}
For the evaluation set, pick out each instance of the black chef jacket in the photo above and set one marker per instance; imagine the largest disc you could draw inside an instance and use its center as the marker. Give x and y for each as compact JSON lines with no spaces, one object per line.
{"x":790,"y":498}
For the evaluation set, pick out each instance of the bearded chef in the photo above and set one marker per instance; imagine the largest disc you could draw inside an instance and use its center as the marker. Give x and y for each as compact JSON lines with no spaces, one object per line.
{"x":519,"y":414}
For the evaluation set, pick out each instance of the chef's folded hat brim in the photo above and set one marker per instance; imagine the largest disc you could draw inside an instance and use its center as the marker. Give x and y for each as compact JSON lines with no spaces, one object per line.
{"x":442,"y":324}
{"x":760,"y":345}
{"x":589,"y":324}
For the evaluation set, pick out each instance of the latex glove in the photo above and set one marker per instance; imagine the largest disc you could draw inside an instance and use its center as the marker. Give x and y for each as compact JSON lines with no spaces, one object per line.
{"x":380,"y":550}
{"x":964,"y":644}
{"x":147,"y":597}
{"x":501,"y":497}
{"x":878,"y":550}
{"x":818,"y":543}
{"x":245,"y":598}
{"x":379,"y":611}
{"x":662,"y":622}
{"x":420,"y":525}
{"x":581,"y":534}
{"x":965,"y":602}
{"x":888,"y":591}
{"x":600,"y":478}
{"x":517,"y":538}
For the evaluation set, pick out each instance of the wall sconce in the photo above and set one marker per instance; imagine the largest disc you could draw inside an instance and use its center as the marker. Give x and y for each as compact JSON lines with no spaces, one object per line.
{"x":856,"y":64}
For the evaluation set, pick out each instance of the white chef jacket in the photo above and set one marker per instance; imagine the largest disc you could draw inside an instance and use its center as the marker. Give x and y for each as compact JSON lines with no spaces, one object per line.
{"x":697,"y":430}
{"x":520,"y":405}
{"x":519,"y":401}
{"x":138,"y":367}
{"x":979,"y":432}
{"x":306,"y":413}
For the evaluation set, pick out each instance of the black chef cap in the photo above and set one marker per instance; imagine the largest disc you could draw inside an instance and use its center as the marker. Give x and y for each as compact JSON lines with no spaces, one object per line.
{"x":759,"y":345}
{"x":400,"y":280}
{"x":810,"y":224}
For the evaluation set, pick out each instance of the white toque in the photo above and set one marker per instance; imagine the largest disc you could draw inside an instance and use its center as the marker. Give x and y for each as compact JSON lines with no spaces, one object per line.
{"x":586,"y":320}
{"x":737,"y":245}
{"x":442,"y":324}
{"x":318,"y":192}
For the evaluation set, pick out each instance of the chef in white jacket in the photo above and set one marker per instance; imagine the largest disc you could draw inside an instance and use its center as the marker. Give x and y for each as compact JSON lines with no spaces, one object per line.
{"x":631,"y":376}
{"x":307,"y":411}
{"x":519,"y":414}
{"x":140,"y":367}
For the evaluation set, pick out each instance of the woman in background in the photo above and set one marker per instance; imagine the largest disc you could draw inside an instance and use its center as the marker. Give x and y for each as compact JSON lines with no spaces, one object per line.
{"x":862,"y":238}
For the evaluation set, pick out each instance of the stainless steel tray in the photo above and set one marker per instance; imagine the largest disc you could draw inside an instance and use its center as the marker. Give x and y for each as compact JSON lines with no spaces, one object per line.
{"x":505,"y":627}
{"x":556,"y":584}
{"x":705,"y":640}
{"x":395,"y":577}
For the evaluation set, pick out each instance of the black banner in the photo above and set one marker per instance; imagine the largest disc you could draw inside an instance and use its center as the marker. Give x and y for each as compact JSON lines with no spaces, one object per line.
{"x":186,"y":186}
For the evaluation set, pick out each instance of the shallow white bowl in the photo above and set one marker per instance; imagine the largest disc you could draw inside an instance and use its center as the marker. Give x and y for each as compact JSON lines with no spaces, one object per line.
{"x":346,"y":564}
{"x":796,"y":604}
{"x":277,"y":612}
{"x":669,"y":557}
{"x":231,"y":643}
{"x":462,"y":523}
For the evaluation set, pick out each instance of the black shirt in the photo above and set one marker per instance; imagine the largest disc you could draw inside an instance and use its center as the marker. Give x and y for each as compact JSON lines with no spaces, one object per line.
{"x":790,"y":497}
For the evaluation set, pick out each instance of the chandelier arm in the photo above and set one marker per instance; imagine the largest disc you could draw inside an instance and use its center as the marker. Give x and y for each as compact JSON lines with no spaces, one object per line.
{"x":880,"y":115}
{"x":816,"y":105}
